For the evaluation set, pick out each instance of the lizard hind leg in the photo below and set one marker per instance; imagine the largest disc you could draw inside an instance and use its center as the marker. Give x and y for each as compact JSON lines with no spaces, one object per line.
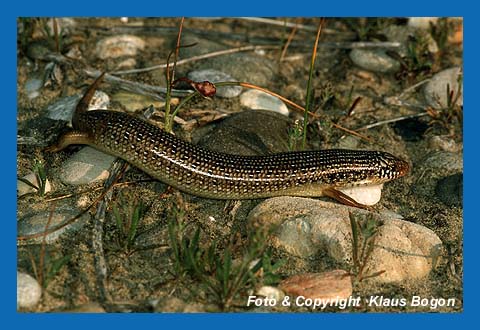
{"x":73,"y":137}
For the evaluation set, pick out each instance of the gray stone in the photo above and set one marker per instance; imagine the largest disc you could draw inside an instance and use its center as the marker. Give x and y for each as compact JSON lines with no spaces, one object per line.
{"x":133,"y":102}
{"x":33,"y":86}
{"x":35,"y":223}
{"x":28,"y":291}
{"x":63,"y":108}
{"x":435,"y":90}
{"x":304,"y":227}
{"x":86,"y":166}
{"x":249,"y":133}
{"x":258,"y":100}
{"x":215,"y":76}
{"x":23,"y":188}
{"x":119,"y":46}
{"x":443,"y":161}
{"x":402,"y":34}
{"x":375,"y":60}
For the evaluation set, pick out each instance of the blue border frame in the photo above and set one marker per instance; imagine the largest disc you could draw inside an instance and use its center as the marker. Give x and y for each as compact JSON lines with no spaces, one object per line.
{"x":240,"y":8}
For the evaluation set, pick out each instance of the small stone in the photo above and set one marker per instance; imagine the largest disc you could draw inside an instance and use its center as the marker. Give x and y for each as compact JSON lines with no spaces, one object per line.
{"x":271,"y":292}
{"x":91,"y":307}
{"x":258,"y":100}
{"x":422,"y":22}
{"x":36,"y":223}
{"x":86,"y":166}
{"x":63,"y":108}
{"x":119,"y":46}
{"x":176,"y":305}
{"x":450,"y":190}
{"x":28,"y":291}
{"x":304,"y":226}
{"x":215,"y":76}
{"x":374,"y":60}
{"x":443,"y":161}
{"x":332,"y":285}
{"x":403,"y":33}
{"x":133,"y":102}
{"x":33,"y":86}
{"x":23,"y":188}
{"x":445,"y":143}
{"x":249,"y":132}
{"x":435,"y":90}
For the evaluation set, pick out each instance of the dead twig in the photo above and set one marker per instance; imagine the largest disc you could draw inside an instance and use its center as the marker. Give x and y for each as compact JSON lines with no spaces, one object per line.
{"x":393,"y":120}
{"x":197,"y":58}
{"x":101,"y":270}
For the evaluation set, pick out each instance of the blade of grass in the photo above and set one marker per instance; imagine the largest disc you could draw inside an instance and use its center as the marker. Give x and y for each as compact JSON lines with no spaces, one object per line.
{"x":309,"y":83}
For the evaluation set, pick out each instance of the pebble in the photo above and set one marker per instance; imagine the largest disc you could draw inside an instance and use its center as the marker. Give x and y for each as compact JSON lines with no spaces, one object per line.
{"x":176,"y":305}
{"x":374,"y":60}
{"x":35,"y":223}
{"x":435,"y":166}
{"x":249,"y":132}
{"x":450,"y":190}
{"x":245,"y":66}
{"x":28,"y":291}
{"x":91,"y":307}
{"x":63,"y":108}
{"x":133,"y":102}
{"x":23,"y":188}
{"x":271,"y":292}
{"x":422,"y":22}
{"x":435,"y":90}
{"x":306,"y":226}
{"x":402,"y":34}
{"x":258,"y":100}
{"x":215,"y":76}
{"x":119,"y":46}
{"x":445,"y":143}
{"x":331,"y":285}
{"x":86,"y":166}
{"x":443,"y":161}
{"x":33,"y":86}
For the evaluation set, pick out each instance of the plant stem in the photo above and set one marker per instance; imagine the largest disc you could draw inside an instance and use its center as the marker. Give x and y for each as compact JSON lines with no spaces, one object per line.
{"x":309,"y":83}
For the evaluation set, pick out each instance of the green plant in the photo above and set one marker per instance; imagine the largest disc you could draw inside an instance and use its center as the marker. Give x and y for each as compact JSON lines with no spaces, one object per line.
{"x":451,"y":112}
{"x":364,"y":231}
{"x":220,"y":275}
{"x":40,"y":178}
{"x":295,"y":134}
{"x":440,"y":32}
{"x":47,"y":265}
{"x":127,"y":217}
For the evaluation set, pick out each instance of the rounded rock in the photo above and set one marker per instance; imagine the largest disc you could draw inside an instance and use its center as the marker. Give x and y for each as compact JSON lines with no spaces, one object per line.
{"x":258,"y":100}
{"x":63,"y":108}
{"x":86,"y":166}
{"x":403,"y":250}
{"x":119,"y":46}
{"x":28,"y":291}
{"x":23,"y":188}
{"x":215,"y":76}
{"x":374,"y":60}
{"x":271,"y":292}
{"x":435,"y":90}
{"x":36,"y":223}
{"x":33,"y":86}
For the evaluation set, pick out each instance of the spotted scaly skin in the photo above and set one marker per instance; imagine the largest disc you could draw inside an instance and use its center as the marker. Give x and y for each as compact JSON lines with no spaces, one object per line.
{"x":210,"y":174}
